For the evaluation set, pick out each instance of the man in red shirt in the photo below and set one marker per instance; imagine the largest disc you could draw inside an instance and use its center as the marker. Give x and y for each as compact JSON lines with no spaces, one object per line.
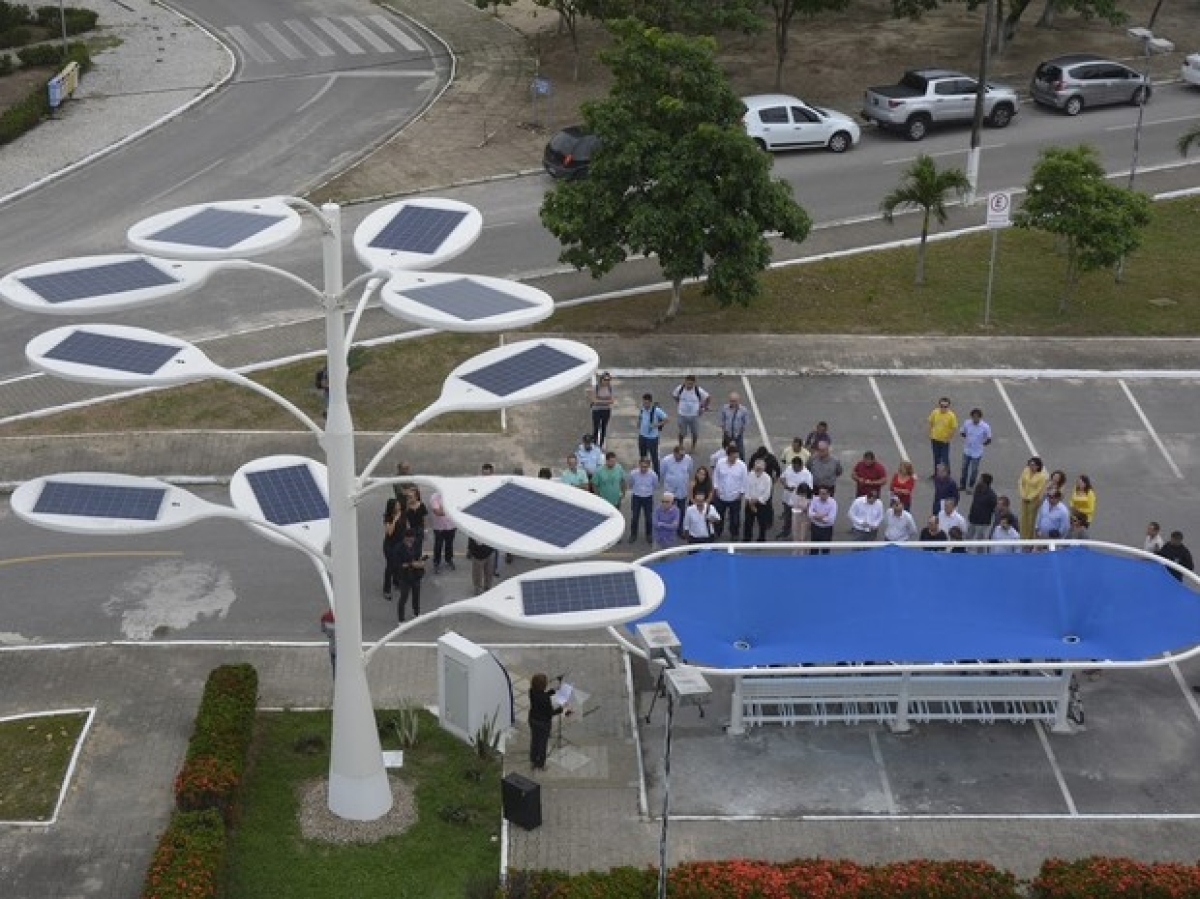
{"x":868,"y":474}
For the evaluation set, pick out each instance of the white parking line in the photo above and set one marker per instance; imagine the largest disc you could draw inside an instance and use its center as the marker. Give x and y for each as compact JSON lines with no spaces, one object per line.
{"x":762,"y":428}
{"x":1150,"y":430}
{"x":887,"y":416}
{"x":1013,"y":412}
{"x":940,"y":153}
{"x":884,"y":782}
{"x":1058,"y":775}
{"x":1188,"y":693}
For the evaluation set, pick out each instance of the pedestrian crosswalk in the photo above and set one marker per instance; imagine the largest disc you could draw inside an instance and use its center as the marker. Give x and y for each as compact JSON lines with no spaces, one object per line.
{"x":291,"y":40}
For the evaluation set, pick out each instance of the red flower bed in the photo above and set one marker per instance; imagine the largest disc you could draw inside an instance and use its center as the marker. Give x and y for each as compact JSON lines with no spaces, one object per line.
{"x":1116,"y":878}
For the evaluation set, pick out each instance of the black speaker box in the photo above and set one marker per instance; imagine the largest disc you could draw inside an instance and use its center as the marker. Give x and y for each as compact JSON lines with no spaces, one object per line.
{"x":522,"y":801}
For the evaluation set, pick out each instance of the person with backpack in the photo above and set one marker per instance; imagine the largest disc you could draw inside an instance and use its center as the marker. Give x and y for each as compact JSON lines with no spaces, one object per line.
{"x":651,"y":419}
{"x":691,"y":401}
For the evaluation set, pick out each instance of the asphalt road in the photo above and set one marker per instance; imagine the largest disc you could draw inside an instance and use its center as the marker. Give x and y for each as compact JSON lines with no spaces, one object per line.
{"x":294,"y":113}
{"x":1134,"y":437}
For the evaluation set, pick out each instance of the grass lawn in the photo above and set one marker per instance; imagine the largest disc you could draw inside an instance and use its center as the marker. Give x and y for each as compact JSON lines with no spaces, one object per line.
{"x":871,"y":293}
{"x":436,"y":857}
{"x":34,"y":754}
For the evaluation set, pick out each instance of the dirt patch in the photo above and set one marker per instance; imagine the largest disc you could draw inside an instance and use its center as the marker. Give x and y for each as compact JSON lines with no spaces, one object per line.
{"x":318,"y":823}
{"x":20,"y":84}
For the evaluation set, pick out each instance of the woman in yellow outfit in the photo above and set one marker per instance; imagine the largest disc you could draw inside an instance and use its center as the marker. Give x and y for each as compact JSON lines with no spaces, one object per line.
{"x":1031,"y":486}
{"x":1083,"y":498}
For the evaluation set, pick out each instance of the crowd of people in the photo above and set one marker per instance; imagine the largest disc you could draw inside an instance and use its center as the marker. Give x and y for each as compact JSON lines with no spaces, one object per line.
{"x":793,"y":495}
{"x":681,"y":497}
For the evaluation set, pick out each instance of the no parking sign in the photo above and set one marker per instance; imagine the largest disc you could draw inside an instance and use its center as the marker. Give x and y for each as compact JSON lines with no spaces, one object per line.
{"x":999,"y":209}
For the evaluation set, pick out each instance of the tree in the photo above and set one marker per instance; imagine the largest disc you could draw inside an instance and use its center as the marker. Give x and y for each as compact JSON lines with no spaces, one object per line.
{"x":783,"y":12}
{"x":1188,"y":138}
{"x":1069,"y":196}
{"x":676,"y":176}
{"x":569,"y":12}
{"x":924,"y":186}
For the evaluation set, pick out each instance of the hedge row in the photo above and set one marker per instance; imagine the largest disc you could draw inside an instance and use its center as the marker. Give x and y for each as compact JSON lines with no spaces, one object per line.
{"x":1089,"y":878}
{"x":17,"y":23}
{"x":810,"y":878}
{"x":1116,"y":878}
{"x":28,"y":113}
{"x":187,"y":861}
{"x":216,"y":754}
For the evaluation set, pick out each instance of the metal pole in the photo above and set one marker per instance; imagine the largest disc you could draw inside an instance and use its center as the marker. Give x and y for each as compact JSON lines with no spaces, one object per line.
{"x":666,"y":806}
{"x":1137,"y":130}
{"x":987,"y":299}
{"x":358,"y":784}
{"x":976,"y":150}
{"x":62,"y":19}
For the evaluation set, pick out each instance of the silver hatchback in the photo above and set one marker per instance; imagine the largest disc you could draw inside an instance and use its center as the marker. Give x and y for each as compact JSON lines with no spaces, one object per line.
{"x":1072,"y":82}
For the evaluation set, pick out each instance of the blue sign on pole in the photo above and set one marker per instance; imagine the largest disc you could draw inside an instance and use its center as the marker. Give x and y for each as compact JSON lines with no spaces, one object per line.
{"x":541,"y":86}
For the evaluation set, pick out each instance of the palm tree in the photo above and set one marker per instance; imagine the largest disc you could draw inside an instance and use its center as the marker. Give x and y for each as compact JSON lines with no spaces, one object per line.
{"x":1187,"y":139}
{"x":925,"y":187}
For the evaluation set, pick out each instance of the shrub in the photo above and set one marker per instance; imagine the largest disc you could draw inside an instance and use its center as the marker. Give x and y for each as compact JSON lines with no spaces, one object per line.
{"x":22,"y":116}
{"x":216,"y":754}
{"x":15,"y":37}
{"x":187,"y":861}
{"x":6,"y":64}
{"x":78,"y":20}
{"x":1115,"y":878}
{"x":13,"y":15}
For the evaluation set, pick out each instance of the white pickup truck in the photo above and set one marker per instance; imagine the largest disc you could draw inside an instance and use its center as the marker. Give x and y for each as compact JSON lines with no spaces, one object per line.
{"x":926,"y":97}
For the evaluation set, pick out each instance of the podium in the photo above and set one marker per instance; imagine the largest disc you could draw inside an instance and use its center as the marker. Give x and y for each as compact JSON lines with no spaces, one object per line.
{"x":522,"y":799}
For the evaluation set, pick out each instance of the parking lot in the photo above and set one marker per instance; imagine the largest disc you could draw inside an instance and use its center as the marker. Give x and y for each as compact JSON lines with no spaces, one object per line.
{"x":1133,"y":758}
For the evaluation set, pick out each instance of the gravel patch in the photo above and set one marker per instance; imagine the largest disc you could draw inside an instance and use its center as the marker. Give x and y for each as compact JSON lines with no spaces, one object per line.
{"x":153,"y":62}
{"x":317,"y":822}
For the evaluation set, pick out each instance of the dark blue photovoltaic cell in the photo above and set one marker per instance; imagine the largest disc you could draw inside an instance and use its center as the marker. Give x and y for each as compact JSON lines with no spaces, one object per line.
{"x":418,"y":229}
{"x":877,"y":605}
{"x":288,"y":495}
{"x":466,"y":299}
{"x":97,"y":281}
{"x":534,"y":365}
{"x":217,"y":228}
{"x":99,"y":501}
{"x":535,"y":515}
{"x":118,"y":353}
{"x":588,"y":593}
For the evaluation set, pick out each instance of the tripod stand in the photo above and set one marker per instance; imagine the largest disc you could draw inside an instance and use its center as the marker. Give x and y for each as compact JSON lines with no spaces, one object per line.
{"x":660,"y":689}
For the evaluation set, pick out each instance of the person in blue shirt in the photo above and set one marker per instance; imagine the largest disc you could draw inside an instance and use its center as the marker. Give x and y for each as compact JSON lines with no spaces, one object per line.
{"x":651,"y":419}
{"x":643,"y":482}
{"x":1053,"y":516}
{"x":976,"y":434}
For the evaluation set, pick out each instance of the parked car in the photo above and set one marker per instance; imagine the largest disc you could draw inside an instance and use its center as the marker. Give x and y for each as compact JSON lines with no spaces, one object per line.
{"x":1071,"y":83}
{"x":783,"y":122}
{"x":570,"y":152}
{"x":1190,"y":70}
{"x":925,"y":97}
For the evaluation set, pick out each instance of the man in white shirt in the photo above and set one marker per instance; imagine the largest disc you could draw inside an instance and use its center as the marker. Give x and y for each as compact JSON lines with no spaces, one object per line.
{"x":1006,"y":530}
{"x":730,"y":479}
{"x":759,"y":510}
{"x":976,"y":434}
{"x":950,"y":517}
{"x":866,"y":515}
{"x":590,"y":456}
{"x":676,"y":469}
{"x":1154,"y":541}
{"x":691,"y":401}
{"x":700,"y":520}
{"x":822,"y":512}
{"x":898,"y":524}
{"x":793,"y":476}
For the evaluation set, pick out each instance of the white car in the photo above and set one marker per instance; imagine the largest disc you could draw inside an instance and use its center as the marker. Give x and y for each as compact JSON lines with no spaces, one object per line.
{"x":1190,"y":71}
{"x":782,"y":122}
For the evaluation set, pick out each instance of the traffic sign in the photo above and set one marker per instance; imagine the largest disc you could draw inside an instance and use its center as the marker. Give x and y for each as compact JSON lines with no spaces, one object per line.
{"x":999,"y":209}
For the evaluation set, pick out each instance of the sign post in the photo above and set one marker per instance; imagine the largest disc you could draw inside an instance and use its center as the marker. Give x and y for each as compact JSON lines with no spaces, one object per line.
{"x":999,"y":215}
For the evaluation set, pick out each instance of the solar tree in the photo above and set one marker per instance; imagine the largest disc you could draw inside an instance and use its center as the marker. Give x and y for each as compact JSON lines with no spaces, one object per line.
{"x":309,"y":504}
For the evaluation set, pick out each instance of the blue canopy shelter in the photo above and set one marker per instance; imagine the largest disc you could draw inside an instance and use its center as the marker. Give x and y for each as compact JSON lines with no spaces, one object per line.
{"x":901,"y":605}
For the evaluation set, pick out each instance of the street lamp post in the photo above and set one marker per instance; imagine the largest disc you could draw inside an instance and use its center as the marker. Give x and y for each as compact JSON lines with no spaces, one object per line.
{"x":1150,"y":46}
{"x":179,"y":251}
